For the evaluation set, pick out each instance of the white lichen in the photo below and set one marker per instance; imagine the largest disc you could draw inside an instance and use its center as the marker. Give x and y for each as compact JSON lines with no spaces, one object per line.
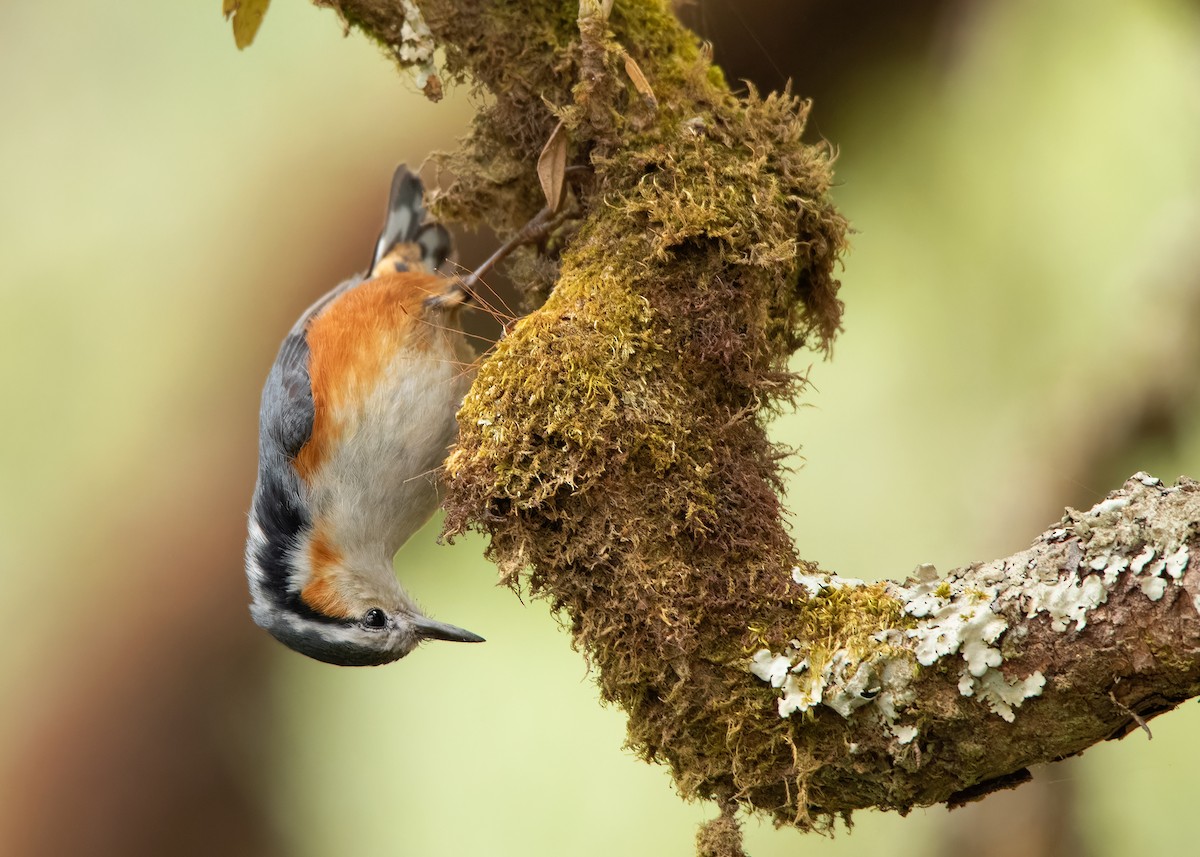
{"x":802,"y":689}
{"x":1067,"y":600}
{"x":846,"y":693}
{"x":963,"y":623}
{"x":1112,"y":504}
{"x":1177,"y":562}
{"x":959,"y":619}
{"x":1149,"y":567}
{"x":770,"y":667}
{"x":840,"y":681}
{"x":1154,"y":587}
{"x":818,"y":584}
{"x":416,"y":47}
{"x":1065,"y":576}
{"x":789,"y":670}
{"x":1141,"y":560}
{"x":1113,"y":569}
{"x":896,"y":678}
{"x":1001,"y":695}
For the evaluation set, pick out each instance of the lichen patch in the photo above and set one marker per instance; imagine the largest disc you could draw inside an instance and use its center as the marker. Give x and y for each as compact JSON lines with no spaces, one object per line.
{"x":967,"y":615}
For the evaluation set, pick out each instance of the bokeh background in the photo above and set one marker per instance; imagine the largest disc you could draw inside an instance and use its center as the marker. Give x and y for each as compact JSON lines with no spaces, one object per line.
{"x":1023,"y":306}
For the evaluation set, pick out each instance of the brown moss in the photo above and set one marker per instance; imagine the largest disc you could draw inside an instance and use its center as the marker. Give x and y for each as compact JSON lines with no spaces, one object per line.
{"x":720,"y":837}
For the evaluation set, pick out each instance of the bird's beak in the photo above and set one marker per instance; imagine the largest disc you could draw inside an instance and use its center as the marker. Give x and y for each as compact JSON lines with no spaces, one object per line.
{"x":431,"y":630}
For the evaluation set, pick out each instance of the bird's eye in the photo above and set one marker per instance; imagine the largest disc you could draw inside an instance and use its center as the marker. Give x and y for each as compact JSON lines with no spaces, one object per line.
{"x":374,"y":618}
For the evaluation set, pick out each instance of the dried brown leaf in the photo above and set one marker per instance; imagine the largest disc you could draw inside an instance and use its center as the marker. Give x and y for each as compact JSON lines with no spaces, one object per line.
{"x":552,"y":166}
{"x":640,"y":83}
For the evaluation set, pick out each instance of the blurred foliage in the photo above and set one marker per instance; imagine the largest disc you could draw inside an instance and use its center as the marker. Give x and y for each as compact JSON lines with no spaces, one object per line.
{"x":1025,"y":269}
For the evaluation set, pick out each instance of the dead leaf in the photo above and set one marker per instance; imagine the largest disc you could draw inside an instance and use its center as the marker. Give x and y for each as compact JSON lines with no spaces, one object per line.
{"x":247,"y":16}
{"x":639,"y":81}
{"x":552,"y":166}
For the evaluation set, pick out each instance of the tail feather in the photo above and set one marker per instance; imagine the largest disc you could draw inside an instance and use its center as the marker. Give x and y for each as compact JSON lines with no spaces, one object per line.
{"x":404,"y":225}
{"x":435,"y":245}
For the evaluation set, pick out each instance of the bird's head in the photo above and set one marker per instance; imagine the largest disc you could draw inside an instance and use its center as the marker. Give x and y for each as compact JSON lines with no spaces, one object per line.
{"x":343,"y":612}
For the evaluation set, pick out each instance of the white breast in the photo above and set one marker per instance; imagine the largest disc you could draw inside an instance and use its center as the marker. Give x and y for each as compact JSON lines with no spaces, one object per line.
{"x":382,"y":480}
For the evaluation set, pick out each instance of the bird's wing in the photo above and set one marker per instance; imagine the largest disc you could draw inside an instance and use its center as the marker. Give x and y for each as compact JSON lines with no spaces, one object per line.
{"x":286,"y":415}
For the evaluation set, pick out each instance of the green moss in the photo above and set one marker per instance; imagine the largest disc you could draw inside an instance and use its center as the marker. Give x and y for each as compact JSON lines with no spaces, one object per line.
{"x":582,"y":394}
{"x":613,"y":445}
{"x":846,"y":618}
{"x":614,"y":449}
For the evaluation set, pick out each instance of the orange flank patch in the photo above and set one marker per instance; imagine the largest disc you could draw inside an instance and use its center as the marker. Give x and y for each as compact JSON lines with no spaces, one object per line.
{"x":351,"y":343}
{"x":321,"y":593}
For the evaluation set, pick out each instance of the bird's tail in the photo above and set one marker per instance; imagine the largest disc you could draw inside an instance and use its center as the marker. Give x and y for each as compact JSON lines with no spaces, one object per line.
{"x":406,"y":242}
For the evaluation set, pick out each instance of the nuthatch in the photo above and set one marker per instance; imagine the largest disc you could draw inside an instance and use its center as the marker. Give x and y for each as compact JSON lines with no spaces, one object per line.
{"x":357,"y":416}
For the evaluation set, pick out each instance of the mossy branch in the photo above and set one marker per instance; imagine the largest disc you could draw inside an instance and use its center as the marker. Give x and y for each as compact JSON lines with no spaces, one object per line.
{"x":613,"y":449}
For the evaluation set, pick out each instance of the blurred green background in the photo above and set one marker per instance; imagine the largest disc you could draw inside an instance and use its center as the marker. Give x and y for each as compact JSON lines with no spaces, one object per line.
{"x":1023,"y":304}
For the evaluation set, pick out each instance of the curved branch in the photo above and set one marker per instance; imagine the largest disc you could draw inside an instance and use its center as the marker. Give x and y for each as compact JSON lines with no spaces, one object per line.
{"x":613,"y":448}
{"x":1083,"y":637}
